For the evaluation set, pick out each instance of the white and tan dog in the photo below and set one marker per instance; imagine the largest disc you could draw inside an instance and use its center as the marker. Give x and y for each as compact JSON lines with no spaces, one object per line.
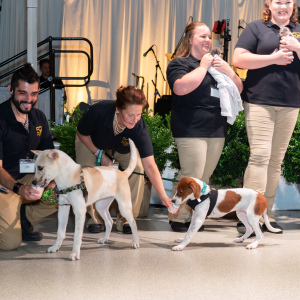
{"x":248,"y":204}
{"x":103,"y":184}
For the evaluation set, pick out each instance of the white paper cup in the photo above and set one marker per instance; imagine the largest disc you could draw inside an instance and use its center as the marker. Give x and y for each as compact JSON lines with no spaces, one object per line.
{"x":173,"y":209}
{"x":39,"y":190}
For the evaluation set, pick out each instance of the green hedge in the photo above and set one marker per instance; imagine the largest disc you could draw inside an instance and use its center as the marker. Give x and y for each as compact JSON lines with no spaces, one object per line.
{"x":65,"y":133}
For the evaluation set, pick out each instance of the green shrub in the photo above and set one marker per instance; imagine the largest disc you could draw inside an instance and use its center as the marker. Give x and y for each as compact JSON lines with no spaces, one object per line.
{"x":65,"y":133}
{"x":161,"y":137}
{"x":235,"y":155}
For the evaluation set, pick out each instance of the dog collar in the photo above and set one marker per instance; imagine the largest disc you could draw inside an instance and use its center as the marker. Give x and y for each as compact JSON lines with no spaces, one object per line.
{"x":80,"y":186}
{"x":203,"y":190}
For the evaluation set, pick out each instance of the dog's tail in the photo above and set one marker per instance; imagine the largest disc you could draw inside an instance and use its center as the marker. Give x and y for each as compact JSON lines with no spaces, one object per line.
{"x":268,"y":225}
{"x":133,"y":159}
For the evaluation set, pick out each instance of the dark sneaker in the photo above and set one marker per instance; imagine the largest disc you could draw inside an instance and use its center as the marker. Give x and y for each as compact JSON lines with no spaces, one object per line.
{"x":178,"y":227}
{"x":126,"y":229}
{"x":32,"y":236}
{"x":273,"y":224}
{"x":27,"y":229}
{"x":241,"y":227}
{"x":95,"y":228}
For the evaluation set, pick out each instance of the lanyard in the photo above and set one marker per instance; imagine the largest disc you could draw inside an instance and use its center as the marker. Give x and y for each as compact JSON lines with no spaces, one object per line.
{"x":24,"y":142}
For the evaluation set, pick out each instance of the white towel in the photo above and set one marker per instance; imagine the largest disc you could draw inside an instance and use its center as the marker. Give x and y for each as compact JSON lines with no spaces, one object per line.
{"x":230,"y":99}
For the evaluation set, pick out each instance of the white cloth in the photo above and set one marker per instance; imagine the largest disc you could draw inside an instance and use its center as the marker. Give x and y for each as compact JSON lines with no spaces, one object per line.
{"x":230,"y":99}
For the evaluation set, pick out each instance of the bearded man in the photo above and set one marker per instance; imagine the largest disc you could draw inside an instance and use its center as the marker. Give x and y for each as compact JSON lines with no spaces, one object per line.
{"x":22,"y":128}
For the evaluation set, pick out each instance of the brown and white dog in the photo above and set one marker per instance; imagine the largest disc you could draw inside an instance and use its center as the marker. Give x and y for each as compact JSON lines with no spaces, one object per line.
{"x":103,"y":184}
{"x":248,"y":204}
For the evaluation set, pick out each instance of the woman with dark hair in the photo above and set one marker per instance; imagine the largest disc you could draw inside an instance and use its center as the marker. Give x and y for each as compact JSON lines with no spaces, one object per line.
{"x":197,"y":125}
{"x":103,"y":133}
{"x":271,"y":94}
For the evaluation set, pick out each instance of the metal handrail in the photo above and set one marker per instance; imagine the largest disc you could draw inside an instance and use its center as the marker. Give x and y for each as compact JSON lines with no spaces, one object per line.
{"x":51,"y":53}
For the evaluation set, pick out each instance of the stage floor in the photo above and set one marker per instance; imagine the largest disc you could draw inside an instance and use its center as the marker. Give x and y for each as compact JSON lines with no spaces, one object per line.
{"x":211,"y":267}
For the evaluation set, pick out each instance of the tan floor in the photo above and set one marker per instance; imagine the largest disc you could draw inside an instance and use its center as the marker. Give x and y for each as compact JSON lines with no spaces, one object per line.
{"x":211,"y":267}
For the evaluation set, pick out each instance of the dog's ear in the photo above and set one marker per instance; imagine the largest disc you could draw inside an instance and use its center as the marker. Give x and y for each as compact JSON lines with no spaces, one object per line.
{"x":36,"y":153}
{"x":195,"y":188}
{"x":53,"y":154}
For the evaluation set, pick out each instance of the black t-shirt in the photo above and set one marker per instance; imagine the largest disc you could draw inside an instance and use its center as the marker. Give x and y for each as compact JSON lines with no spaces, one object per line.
{"x":272,"y":85}
{"x":98,"y":123}
{"x":196,"y":114}
{"x":16,"y":142}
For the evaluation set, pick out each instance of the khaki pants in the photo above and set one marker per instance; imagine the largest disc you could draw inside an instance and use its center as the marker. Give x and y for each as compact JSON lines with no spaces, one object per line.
{"x":136,"y":182}
{"x":10,"y":225}
{"x":198,"y":158}
{"x":269,"y":130}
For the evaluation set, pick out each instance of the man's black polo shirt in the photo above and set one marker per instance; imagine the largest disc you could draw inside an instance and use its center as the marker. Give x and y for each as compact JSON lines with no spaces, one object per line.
{"x":16,"y":142}
{"x":98,"y":123}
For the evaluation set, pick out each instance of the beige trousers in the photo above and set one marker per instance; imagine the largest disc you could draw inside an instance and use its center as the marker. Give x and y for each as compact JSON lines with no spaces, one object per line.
{"x":136,"y":182}
{"x":198,"y":158}
{"x":269,"y":130}
{"x":10,"y":225}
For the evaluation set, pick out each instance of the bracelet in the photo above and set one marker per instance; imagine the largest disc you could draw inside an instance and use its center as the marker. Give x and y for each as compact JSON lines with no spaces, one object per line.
{"x":97,"y":152}
{"x":16,"y":187}
{"x":98,"y":162}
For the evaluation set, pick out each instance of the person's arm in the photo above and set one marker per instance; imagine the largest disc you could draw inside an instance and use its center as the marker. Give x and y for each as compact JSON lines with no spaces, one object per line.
{"x":26,"y":191}
{"x":222,"y":66}
{"x":87,"y":141}
{"x":193,"y":79}
{"x":153,"y":174}
{"x":244,"y":59}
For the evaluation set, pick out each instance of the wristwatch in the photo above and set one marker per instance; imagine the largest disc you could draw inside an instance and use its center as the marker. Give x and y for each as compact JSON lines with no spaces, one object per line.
{"x":16,"y":187}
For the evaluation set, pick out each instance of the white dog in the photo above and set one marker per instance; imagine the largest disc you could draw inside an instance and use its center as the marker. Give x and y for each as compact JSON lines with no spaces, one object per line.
{"x":248,"y":204}
{"x":102,"y":184}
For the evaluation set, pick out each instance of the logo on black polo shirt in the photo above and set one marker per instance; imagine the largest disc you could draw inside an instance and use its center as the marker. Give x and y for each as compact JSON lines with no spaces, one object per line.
{"x":125,"y":142}
{"x":39,"y":130}
{"x":296,"y":35}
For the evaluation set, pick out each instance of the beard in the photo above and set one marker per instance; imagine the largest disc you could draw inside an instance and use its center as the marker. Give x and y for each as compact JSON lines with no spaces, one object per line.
{"x":17,"y":104}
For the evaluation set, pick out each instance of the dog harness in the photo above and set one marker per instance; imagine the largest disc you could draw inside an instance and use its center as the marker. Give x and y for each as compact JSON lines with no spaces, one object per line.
{"x":81,"y":186}
{"x":212,"y":196}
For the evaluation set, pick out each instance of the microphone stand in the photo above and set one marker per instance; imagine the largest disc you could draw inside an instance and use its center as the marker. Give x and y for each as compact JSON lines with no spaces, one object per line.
{"x":227,"y":39}
{"x":155,"y":78}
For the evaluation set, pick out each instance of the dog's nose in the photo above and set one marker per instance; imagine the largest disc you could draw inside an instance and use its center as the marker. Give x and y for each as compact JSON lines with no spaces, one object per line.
{"x":33,"y":182}
{"x":173,"y":201}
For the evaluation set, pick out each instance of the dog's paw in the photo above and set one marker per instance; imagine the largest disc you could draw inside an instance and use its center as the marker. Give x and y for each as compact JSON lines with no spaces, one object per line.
{"x":135,"y":245}
{"x":74,"y":256}
{"x":177,"y":248}
{"x":52,"y":249}
{"x":178,"y":240}
{"x":252,"y":245}
{"x":239,"y":240}
{"x":102,"y":241}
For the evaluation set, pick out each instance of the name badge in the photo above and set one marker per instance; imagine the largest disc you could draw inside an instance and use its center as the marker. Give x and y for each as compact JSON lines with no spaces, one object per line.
{"x":26,"y":165}
{"x":214,"y":92}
